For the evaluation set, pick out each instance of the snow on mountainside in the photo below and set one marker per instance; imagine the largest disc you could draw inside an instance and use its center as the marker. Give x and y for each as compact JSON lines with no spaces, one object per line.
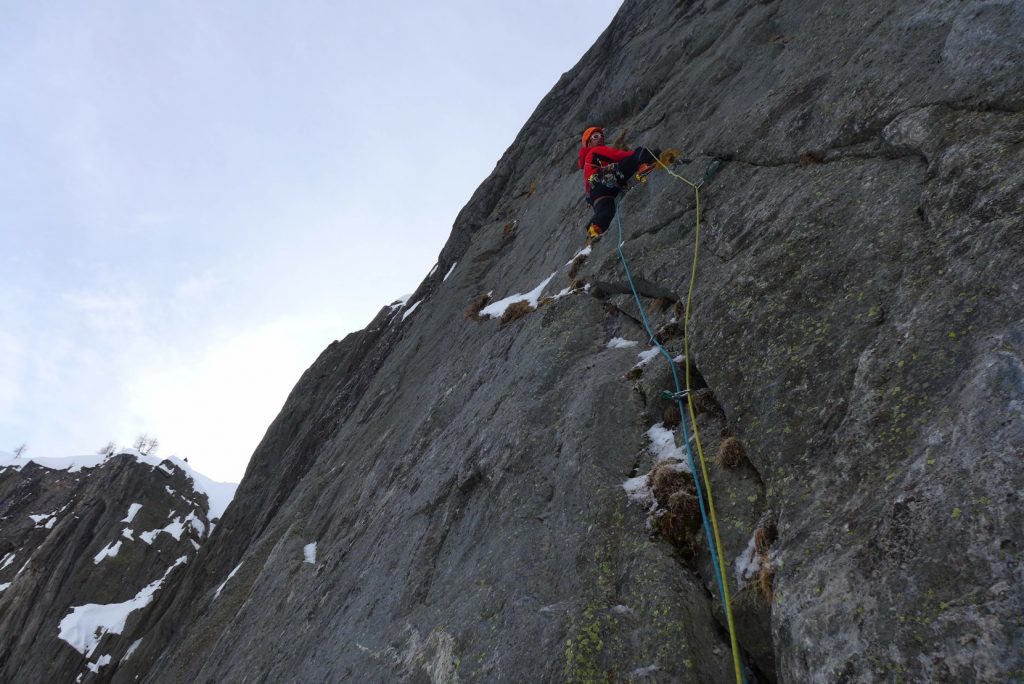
{"x":218,"y":493}
{"x":98,"y":537}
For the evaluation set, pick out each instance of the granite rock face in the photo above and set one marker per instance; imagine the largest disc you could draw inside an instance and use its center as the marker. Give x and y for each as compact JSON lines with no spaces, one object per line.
{"x":856,"y":349}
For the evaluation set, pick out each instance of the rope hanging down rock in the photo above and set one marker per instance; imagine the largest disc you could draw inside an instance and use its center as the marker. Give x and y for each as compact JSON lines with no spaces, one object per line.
{"x":709,"y":519}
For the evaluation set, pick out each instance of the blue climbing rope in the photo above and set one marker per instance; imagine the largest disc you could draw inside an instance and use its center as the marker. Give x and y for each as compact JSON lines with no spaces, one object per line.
{"x":711,"y":537}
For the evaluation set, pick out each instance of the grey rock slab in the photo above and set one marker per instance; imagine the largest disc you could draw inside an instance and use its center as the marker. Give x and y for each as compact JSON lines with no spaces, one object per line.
{"x":855,"y":313}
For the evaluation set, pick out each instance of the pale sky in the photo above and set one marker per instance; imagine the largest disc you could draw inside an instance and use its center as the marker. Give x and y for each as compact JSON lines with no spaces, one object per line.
{"x":196,"y":198}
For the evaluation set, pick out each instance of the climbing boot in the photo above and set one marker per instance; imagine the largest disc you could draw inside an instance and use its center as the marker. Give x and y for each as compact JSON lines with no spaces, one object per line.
{"x":643,"y":170}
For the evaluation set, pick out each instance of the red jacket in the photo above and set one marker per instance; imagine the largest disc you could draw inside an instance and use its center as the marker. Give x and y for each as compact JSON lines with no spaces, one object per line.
{"x":593,"y":158}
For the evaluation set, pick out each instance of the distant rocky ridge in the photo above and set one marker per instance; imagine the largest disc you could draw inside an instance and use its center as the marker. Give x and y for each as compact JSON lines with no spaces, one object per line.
{"x":85,"y":544}
{"x":495,"y":500}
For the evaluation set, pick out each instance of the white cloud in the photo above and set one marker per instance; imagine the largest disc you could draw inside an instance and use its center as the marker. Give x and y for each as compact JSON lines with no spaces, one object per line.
{"x":215,"y":407}
{"x":11,"y":355}
{"x":108,"y":311}
{"x":168,"y":176}
{"x":197,"y":287}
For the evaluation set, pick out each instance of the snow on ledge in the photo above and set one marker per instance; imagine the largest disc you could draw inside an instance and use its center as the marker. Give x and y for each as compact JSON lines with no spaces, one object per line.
{"x":133,"y":510}
{"x":498,"y":308}
{"x":638,"y":489}
{"x":131,"y":650}
{"x":583,"y":252}
{"x":85,"y":626}
{"x":412,"y":308}
{"x":401,"y":301}
{"x":102,"y":661}
{"x":646,"y":357}
{"x":663,"y":446}
{"x":227,"y":579}
{"x":108,"y":551}
{"x":173,"y":528}
{"x":747,"y":564}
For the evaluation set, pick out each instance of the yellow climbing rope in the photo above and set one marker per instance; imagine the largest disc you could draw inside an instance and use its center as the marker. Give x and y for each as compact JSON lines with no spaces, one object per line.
{"x":726,"y":600}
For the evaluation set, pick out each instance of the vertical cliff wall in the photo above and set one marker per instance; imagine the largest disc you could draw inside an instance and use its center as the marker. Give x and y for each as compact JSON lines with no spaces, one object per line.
{"x":443,"y":498}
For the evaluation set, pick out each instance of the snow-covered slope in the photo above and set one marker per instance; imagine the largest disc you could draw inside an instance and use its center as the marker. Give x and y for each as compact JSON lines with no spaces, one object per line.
{"x":219,"y":494}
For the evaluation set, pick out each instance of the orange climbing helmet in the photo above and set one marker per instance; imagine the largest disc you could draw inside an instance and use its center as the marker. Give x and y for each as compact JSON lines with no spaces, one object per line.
{"x":591,"y":131}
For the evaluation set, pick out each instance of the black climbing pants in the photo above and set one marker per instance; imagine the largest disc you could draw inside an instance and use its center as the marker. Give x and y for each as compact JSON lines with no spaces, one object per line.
{"x":602,"y":197}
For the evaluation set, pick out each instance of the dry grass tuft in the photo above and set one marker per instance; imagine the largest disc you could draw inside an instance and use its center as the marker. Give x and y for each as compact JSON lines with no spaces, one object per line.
{"x":763,"y":538}
{"x":731,"y":453}
{"x":533,"y":189}
{"x":765,"y":580}
{"x":544,"y":301}
{"x":666,"y":479}
{"x":635,"y":373}
{"x":679,"y":523}
{"x":669,"y":331}
{"x":766,"y":532}
{"x":668,"y":157}
{"x":678,"y":516}
{"x":516,"y":311}
{"x":675,"y":516}
{"x":472,"y":311}
{"x":508,"y":229}
{"x":576,"y":265}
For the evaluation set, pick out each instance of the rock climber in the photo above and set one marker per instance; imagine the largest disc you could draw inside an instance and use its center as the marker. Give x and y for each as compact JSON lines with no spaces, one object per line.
{"x":605,"y":170}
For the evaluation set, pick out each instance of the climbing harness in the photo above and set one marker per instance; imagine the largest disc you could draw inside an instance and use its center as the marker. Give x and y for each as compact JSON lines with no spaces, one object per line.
{"x":609,"y":175}
{"x":708,"y":517}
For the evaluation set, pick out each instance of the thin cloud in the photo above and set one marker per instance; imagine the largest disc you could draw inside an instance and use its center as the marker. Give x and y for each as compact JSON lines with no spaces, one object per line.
{"x":215,"y":406}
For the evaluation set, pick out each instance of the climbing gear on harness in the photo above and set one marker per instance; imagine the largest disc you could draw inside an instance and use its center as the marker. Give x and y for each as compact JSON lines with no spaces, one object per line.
{"x":714,"y":541}
{"x":609,"y":175}
{"x":669,"y":395}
